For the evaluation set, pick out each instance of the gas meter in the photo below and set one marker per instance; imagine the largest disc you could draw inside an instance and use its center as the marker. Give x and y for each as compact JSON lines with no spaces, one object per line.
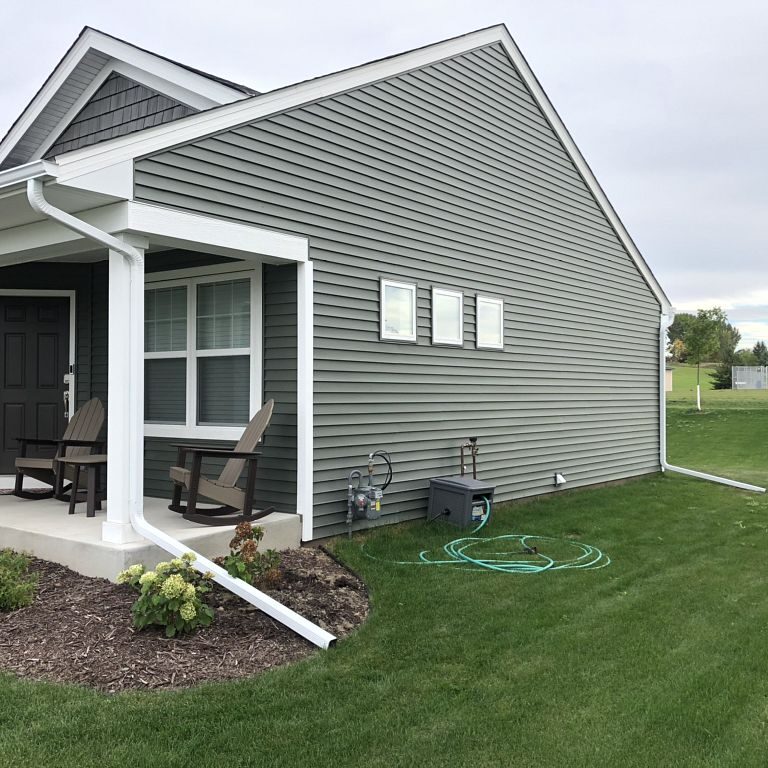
{"x":364,"y":501}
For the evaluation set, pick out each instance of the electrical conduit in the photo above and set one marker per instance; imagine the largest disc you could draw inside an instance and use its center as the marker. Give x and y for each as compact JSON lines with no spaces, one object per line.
{"x":666,"y":321}
{"x":135,"y":259}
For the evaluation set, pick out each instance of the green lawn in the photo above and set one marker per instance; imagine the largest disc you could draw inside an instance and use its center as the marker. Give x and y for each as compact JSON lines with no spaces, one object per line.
{"x":727,"y":437}
{"x":657,"y":660}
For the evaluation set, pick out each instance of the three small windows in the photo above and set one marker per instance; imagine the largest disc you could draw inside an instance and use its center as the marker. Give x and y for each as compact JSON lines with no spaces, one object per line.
{"x":398,"y":316}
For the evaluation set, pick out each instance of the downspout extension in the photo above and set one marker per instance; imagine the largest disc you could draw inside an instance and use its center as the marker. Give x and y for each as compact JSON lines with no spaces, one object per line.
{"x":255,"y":597}
{"x":666,"y":321}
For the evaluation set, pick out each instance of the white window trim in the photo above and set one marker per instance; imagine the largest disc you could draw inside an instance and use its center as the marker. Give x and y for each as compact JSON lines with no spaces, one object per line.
{"x":384,"y":335}
{"x":459,"y":340}
{"x":191,"y":278}
{"x":489,"y":300}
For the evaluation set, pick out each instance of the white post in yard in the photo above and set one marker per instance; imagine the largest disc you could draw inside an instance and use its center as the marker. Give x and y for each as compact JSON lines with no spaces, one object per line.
{"x":125,"y":395}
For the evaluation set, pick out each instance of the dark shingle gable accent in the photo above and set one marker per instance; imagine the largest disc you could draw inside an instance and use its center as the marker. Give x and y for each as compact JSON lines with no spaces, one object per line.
{"x":119,"y":107}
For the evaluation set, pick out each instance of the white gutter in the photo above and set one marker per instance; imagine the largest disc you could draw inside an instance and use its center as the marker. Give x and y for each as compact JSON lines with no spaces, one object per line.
{"x":21,"y":173}
{"x":666,"y":321}
{"x":135,"y":259}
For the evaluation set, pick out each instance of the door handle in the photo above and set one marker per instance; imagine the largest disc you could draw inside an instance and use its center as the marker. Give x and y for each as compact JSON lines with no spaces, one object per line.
{"x":66,"y":404}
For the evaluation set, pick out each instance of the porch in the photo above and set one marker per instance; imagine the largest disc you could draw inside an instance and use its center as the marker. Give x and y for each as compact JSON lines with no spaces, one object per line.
{"x":207,"y":371}
{"x":45,"y":529}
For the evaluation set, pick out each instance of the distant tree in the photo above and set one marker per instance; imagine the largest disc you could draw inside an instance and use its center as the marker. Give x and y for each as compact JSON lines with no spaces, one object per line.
{"x":728,"y":339}
{"x":702,"y":340}
{"x":745,"y":357}
{"x":760,"y":351}
{"x":677,"y":331}
{"x":677,"y":351}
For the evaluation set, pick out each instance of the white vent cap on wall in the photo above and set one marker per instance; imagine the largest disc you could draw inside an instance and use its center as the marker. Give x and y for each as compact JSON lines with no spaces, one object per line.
{"x":559,"y":479}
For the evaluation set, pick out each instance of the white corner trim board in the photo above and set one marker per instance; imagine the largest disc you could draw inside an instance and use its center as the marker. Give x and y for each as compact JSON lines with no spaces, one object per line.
{"x":305,"y":398}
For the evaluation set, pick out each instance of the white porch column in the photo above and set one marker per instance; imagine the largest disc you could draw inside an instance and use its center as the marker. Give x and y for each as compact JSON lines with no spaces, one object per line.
{"x":125,"y":406}
{"x":305,"y":396}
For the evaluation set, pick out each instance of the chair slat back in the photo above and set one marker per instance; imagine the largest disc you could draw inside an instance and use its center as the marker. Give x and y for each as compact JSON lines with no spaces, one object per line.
{"x":248,"y":442}
{"x":84,"y":425}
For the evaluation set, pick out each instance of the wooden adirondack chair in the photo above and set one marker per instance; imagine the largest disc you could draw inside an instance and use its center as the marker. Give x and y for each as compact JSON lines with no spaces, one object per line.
{"x":236,"y":503}
{"x":79,"y":438}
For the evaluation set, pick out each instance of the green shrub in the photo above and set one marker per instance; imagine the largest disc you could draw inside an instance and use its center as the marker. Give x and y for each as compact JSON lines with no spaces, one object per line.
{"x":245,"y":562}
{"x":17,"y":584}
{"x":169,"y":596}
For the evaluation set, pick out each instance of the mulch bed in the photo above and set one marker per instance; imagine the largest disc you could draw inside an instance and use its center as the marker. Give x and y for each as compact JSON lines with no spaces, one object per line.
{"x":78,"y":630}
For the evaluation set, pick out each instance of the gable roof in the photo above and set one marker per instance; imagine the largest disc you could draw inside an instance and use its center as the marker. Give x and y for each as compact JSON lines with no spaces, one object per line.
{"x":91,"y":59}
{"x":93,"y":160}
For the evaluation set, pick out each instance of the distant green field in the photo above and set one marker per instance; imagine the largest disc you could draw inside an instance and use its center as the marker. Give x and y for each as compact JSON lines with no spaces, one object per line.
{"x":683,"y":394}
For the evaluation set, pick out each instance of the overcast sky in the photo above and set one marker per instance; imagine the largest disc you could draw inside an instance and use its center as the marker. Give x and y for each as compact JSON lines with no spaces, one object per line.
{"x":666,"y":99}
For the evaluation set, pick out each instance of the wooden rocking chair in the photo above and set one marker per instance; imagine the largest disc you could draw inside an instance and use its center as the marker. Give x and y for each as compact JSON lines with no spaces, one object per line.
{"x":79,"y":438}
{"x":236,"y":503}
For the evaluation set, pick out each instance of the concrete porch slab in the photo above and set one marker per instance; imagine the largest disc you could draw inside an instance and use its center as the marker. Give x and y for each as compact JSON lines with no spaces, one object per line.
{"x":44,"y":529}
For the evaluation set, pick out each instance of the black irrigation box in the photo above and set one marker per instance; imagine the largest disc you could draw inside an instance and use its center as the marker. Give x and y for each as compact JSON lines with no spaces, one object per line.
{"x":459,"y":500}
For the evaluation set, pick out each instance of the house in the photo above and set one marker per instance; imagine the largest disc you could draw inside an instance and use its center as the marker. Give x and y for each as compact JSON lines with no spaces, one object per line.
{"x":402,"y":255}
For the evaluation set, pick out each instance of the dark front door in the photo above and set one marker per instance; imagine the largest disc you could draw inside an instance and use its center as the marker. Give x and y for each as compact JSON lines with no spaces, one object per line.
{"x":34,"y":355}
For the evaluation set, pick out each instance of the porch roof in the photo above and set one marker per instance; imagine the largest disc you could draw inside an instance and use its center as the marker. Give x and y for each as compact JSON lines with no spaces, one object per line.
{"x":28,"y":236}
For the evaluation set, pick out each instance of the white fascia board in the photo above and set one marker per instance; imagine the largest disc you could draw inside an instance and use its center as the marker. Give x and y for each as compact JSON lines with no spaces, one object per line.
{"x":197,"y":126}
{"x":159,"y":225}
{"x":221,"y":236}
{"x":201,"y":90}
{"x":212,"y":90}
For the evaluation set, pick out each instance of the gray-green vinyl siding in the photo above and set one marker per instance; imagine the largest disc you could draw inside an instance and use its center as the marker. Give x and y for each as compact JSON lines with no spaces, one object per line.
{"x":447,"y":176}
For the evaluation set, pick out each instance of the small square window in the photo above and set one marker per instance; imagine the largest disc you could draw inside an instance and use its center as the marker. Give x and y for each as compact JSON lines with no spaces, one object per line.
{"x":447,"y":317}
{"x":490,"y":323}
{"x":398,"y":311}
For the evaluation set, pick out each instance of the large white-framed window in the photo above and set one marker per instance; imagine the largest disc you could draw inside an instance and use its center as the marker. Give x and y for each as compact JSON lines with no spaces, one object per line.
{"x":447,"y":317}
{"x":398,"y":310}
{"x":489,"y":322}
{"x":202,"y":352}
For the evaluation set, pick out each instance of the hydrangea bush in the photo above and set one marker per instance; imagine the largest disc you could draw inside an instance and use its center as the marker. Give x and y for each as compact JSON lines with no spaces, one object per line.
{"x":170,"y":596}
{"x":244,"y":560}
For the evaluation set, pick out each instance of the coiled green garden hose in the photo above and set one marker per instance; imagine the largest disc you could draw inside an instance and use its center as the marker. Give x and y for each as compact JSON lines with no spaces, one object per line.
{"x":457,"y":553}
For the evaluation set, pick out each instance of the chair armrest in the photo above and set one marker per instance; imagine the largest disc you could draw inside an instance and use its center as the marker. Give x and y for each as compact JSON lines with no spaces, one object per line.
{"x":37,"y":441}
{"x":78,"y":443}
{"x":223,"y":452}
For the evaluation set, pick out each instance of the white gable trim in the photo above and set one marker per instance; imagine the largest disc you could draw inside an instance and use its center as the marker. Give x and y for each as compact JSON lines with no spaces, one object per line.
{"x":206,"y":123}
{"x":197,"y":90}
{"x":156,"y":83}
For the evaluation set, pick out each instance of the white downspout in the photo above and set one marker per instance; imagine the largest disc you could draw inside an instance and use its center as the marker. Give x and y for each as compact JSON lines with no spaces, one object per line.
{"x":135,"y":258}
{"x":666,"y":321}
